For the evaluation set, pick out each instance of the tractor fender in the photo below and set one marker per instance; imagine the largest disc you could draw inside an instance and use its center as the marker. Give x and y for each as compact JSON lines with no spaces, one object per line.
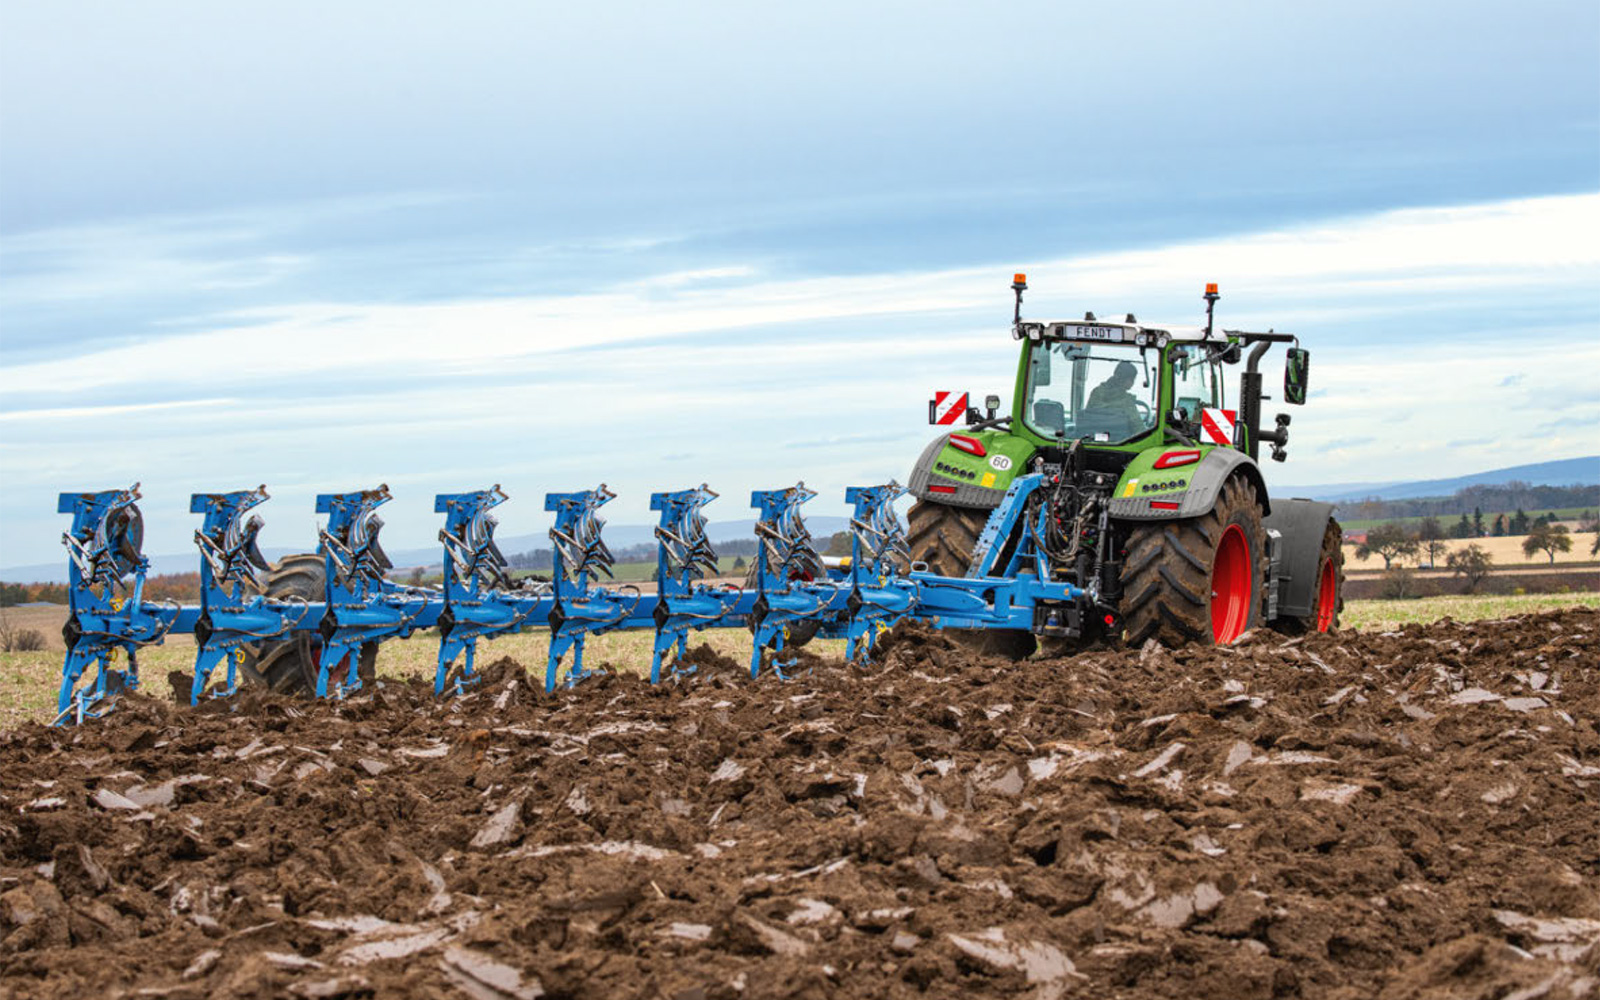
{"x":1301,"y":525}
{"x":967,"y":493}
{"x":1205,"y":484}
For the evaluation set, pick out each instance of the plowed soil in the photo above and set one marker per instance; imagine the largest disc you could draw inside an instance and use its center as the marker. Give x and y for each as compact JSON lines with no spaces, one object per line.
{"x":1407,"y":815}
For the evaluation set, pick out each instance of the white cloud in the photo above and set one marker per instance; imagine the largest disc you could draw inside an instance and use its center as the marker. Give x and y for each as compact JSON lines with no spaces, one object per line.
{"x":1409,"y":253}
{"x":60,"y":413}
{"x":451,"y":394}
{"x":1393,"y":415}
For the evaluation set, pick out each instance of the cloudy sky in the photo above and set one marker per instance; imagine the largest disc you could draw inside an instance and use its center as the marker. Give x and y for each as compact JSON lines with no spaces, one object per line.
{"x":322,"y":246}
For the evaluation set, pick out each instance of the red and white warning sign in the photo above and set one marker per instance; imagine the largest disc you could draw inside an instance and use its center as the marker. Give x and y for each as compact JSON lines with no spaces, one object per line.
{"x":1216,"y":426}
{"x":947,"y":407}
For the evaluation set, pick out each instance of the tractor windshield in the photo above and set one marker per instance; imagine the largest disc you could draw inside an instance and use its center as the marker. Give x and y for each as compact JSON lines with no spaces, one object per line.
{"x":1098,"y":392}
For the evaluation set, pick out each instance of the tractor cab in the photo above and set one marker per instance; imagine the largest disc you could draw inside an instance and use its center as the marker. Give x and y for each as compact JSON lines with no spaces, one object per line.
{"x":1117,"y":394}
{"x":1108,"y":384}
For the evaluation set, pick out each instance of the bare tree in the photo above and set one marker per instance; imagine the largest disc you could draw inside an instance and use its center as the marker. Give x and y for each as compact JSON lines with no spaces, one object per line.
{"x":1548,"y":538}
{"x":1389,"y":541}
{"x":19,"y":640}
{"x":1399,"y":584}
{"x":1471,"y":562}
{"x":1590,"y":521}
{"x":1430,"y":533}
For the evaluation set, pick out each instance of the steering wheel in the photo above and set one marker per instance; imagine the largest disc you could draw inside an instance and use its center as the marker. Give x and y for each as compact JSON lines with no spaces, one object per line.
{"x":1144,"y":411}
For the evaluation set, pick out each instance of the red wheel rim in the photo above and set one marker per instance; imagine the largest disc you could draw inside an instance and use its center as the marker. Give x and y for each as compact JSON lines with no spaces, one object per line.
{"x":1327,"y":597}
{"x":1230,"y":587}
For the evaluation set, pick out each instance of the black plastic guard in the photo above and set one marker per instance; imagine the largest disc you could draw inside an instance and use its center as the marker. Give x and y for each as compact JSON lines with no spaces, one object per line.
{"x":1302,"y":523}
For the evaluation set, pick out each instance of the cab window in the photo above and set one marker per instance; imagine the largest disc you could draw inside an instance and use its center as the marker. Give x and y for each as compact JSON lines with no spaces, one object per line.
{"x":1195,"y":384}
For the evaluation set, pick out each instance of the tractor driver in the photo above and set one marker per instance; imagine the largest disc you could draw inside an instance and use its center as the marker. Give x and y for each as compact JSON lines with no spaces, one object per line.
{"x":1111,"y":408}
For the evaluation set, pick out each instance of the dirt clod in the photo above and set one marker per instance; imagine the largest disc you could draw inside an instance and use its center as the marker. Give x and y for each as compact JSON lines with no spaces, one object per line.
{"x":1404,"y":815}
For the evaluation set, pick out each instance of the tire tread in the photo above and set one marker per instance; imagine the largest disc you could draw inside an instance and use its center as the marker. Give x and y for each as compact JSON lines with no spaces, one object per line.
{"x":1166,"y":577}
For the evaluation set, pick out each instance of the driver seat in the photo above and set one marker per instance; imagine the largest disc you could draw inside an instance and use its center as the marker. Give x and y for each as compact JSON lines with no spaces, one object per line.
{"x":1050,"y":416}
{"x":1094,"y":421}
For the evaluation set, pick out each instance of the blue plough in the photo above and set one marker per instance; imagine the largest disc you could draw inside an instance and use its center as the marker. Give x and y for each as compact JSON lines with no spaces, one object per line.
{"x":792,"y":592}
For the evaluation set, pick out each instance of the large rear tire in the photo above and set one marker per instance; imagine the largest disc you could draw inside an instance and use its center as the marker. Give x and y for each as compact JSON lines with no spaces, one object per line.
{"x":1328,"y":601}
{"x":289,"y":666}
{"x":1199,"y":579}
{"x":943,"y":537}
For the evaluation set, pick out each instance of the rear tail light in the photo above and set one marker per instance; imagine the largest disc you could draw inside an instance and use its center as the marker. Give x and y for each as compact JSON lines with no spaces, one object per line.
{"x":1176,"y":458}
{"x":1154,"y":504}
{"x":970,"y":445}
{"x":941,"y":489}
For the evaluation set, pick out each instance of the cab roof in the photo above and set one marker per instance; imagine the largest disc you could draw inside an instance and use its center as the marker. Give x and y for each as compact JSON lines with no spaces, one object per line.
{"x":1110,"y":331}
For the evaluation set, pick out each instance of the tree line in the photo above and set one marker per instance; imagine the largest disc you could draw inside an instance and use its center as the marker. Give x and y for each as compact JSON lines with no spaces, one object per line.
{"x":543,"y":560}
{"x":1517,"y":523}
{"x":1392,"y":540}
{"x":1515,"y":495}
{"x":181,"y":587}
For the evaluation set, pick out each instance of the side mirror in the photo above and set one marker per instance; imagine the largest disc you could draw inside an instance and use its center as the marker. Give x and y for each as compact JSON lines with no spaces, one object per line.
{"x":1295,"y":373}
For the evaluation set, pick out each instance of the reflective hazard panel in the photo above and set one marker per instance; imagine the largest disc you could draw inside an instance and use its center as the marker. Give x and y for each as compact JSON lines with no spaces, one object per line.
{"x":1216,"y":426}
{"x":947,"y":407}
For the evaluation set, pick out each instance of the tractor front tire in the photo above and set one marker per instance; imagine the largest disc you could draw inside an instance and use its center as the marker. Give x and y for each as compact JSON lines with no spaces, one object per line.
{"x":1199,"y":579}
{"x":943,"y":537}
{"x":1329,"y":599}
{"x":290,"y":666}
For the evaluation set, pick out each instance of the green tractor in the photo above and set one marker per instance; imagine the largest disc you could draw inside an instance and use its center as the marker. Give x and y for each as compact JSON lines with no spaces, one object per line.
{"x":1158,"y":507}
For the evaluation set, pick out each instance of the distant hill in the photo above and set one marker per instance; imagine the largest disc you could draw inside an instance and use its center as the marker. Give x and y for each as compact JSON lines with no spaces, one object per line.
{"x":1564,"y":472}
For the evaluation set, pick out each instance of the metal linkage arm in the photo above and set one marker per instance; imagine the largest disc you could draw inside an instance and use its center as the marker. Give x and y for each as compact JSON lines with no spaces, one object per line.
{"x":350,"y":538}
{"x":234,"y":614}
{"x":1015,"y":507}
{"x":578,"y":608}
{"x":787,"y":591}
{"x":1006,"y":586}
{"x":481,"y":600}
{"x":362,"y":605}
{"x":106,"y":611}
{"x":878,"y":552}
{"x":986,"y":603}
{"x":683,"y":557}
